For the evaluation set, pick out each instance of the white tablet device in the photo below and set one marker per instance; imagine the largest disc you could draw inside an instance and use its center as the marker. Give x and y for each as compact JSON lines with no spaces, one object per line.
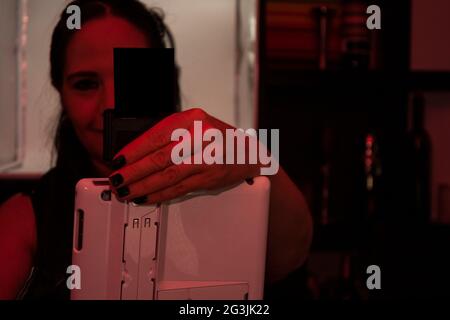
{"x":209,"y":245}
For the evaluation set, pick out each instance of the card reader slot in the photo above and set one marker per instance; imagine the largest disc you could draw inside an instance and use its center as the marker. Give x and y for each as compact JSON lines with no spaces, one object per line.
{"x":157,"y":241}
{"x":123,"y":242}
{"x":101,"y":183}
{"x":79,"y":231}
{"x":122,"y":283}
{"x":121,"y":288}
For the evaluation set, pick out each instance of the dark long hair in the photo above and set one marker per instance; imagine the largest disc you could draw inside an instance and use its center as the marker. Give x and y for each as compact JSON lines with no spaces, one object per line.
{"x":71,"y":154}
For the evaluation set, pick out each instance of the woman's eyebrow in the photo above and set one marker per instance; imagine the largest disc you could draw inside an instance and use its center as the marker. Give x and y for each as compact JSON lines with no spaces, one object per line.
{"x":81,"y":74}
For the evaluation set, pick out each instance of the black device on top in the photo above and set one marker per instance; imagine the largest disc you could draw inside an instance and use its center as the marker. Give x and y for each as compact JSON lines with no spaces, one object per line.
{"x":144,"y":89}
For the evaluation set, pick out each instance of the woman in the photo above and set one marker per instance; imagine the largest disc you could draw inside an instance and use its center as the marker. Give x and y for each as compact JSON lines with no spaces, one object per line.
{"x":36,"y":229}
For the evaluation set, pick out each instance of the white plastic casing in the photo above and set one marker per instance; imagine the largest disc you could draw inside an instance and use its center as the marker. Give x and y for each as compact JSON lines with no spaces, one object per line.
{"x":208,"y":245}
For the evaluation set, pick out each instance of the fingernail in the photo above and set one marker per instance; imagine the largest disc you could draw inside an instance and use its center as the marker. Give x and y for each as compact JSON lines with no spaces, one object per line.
{"x":140,"y":200}
{"x":118,"y":163}
{"x":123,"y":192}
{"x":116,"y":180}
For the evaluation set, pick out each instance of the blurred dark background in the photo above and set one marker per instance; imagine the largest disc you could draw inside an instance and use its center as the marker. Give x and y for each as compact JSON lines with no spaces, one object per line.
{"x":352,"y":111}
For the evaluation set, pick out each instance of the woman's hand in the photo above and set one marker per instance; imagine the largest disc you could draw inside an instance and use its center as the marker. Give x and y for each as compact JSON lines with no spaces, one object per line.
{"x":146,"y":173}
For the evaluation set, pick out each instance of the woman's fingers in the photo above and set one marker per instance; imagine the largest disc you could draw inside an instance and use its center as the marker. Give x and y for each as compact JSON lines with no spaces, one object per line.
{"x":195,"y":182}
{"x":158,"y":136}
{"x":170,"y":176}
{"x":177,"y":180}
{"x":160,"y":158}
{"x":157,"y":167}
{"x":148,"y":165}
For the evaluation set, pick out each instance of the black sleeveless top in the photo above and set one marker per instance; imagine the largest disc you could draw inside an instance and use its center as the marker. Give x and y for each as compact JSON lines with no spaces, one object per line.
{"x":53,"y":203}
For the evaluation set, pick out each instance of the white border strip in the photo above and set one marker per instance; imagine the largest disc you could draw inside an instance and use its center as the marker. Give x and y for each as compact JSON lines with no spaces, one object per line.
{"x":22,"y":67}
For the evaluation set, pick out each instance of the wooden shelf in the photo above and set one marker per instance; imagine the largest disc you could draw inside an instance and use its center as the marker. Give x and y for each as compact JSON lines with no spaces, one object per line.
{"x":429,"y":81}
{"x":361,"y":80}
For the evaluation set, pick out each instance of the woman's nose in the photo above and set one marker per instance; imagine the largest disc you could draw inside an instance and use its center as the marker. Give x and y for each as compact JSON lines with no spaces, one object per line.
{"x":106,"y":101}
{"x":108,"y":96}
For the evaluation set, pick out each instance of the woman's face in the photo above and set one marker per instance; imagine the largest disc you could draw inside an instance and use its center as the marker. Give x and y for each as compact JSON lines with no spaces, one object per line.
{"x":88,"y":85}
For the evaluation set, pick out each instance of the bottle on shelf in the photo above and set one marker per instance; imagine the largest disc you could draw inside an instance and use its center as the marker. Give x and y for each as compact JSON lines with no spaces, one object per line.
{"x":418,"y":162}
{"x":325,"y":172}
{"x":356,"y":42}
{"x":323,"y":15}
{"x":372,"y":174}
{"x":346,"y":285}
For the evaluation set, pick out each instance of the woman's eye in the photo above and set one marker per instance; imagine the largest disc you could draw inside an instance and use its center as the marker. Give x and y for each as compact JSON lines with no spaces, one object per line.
{"x":85,"y":84}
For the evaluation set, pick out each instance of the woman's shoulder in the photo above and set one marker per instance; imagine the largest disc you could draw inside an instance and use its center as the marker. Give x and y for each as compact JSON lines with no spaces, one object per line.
{"x":18,"y":203}
{"x":18,"y":244}
{"x":18,"y":211}
{"x":17,"y":218}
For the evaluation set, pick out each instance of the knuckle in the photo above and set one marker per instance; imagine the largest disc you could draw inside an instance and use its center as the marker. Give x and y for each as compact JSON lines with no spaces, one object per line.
{"x":183,"y":116}
{"x":172,"y":174}
{"x":180,"y":189}
{"x":145,"y":184}
{"x":198,"y":113}
{"x":157,"y":140}
{"x":131,"y":173}
{"x":160,"y":160}
{"x":160,"y":139}
{"x":225,"y":174}
{"x":215,"y":179}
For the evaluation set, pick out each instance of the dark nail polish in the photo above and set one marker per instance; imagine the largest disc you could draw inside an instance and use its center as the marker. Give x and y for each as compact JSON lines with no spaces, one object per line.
{"x":116,"y":180}
{"x":140,"y":200}
{"x":123,"y":192}
{"x":118,"y":163}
